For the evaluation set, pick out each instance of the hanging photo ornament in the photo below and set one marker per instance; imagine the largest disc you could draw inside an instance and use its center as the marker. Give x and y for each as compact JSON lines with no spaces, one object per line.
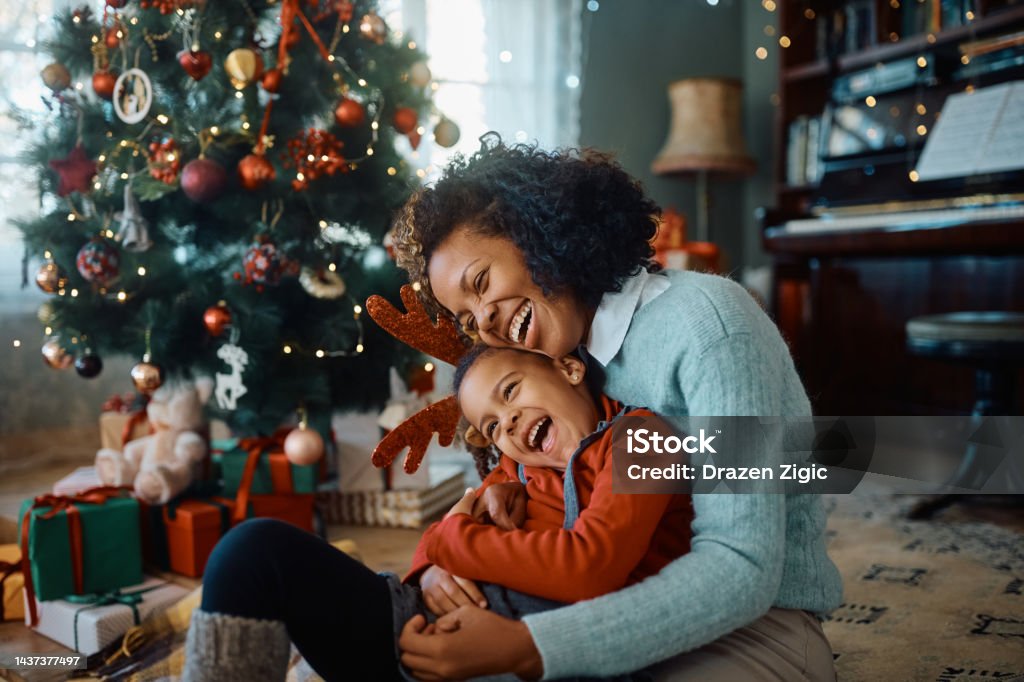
{"x":133,"y":95}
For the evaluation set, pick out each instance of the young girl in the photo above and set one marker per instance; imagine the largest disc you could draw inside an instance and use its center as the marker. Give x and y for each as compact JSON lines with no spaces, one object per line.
{"x":578,"y":540}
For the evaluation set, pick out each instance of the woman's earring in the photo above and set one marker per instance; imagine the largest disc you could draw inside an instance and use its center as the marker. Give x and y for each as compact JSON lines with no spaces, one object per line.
{"x":575,"y":377}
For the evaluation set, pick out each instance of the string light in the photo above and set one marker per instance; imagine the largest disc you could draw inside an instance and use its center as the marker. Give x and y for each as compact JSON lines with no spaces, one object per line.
{"x":345,"y":29}
{"x":809,"y":13}
{"x":71,"y":217}
{"x":965,"y":60}
{"x":416,"y":286}
{"x":162,"y":119}
{"x":392,"y":170}
{"x":74,"y":293}
{"x":362,"y":82}
{"x":914,"y":177}
{"x":332,"y":267}
{"x":375,"y":125}
{"x":109,"y":234}
{"x":784,"y":41}
{"x":921,"y":109}
{"x":357,"y":309}
{"x":922,"y":130}
{"x":761,"y":53}
{"x":287,"y":349}
{"x":320,"y":353}
{"x":48,"y":330}
{"x":214,"y":130}
{"x":769,"y":30}
{"x":359,"y":348}
{"x":16,"y":343}
{"x":369,"y":151}
{"x":218,"y":35}
{"x":142,"y":271}
{"x":969,"y":15}
{"x":870,"y":101}
{"x":412,"y":44}
{"x":922,"y":62}
{"x":47,"y":255}
{"x":429,"y":367}
{"x":122,"y":296}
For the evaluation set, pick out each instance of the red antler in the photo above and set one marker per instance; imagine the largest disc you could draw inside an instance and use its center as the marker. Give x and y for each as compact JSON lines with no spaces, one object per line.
{"x":416,"y":432}
{"x":415,"y":327}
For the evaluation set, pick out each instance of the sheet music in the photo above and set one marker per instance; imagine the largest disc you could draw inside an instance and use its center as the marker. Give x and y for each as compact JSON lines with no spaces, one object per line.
{"x":978,"y":132}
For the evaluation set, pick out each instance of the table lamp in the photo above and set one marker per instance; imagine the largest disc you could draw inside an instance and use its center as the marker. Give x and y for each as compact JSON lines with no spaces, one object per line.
{"x":705,"y":137}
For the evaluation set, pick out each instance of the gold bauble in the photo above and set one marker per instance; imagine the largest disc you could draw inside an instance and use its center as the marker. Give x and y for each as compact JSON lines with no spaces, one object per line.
{"x":243,"y":66}
{"x":51,"y":278}
{"x":372,"y":27}
{"x":56,"y":76}
{"x":419,"y":74}
{"x":146,"y":376}
{"x":55,"y":355}
{"x":446,"y":133}
{"x":303,"y":446}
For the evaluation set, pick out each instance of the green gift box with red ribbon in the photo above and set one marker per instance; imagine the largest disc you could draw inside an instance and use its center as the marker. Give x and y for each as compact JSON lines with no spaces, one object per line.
{"x":79,"y":544}
{"x":271,"y":472}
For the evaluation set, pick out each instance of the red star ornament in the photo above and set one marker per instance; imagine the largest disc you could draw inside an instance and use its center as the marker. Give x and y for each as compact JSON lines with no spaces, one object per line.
{"x":76,"y":172}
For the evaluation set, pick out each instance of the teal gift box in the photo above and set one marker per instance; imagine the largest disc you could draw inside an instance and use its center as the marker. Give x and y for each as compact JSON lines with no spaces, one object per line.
{"x":273,"y":473}
{"x":108,"y":542}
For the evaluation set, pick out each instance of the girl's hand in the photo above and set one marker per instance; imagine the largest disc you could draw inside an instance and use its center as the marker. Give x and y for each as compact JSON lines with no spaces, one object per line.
{"x":503,"y":504}
{"x":444,"y":592}
{"x":465,"y":505}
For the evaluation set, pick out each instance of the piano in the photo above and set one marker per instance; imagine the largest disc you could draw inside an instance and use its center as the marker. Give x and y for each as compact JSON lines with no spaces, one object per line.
{"x":870,"y":245}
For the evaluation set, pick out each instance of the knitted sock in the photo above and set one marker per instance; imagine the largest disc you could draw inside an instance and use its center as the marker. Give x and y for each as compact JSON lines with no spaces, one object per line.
{"x":223,"y":648}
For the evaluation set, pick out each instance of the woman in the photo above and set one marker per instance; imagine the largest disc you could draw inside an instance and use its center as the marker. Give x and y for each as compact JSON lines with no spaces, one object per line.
{"x":550,"y":251}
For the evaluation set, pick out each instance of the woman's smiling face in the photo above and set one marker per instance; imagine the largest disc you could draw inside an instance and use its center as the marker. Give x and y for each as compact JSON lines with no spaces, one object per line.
{"x":483,"y":281}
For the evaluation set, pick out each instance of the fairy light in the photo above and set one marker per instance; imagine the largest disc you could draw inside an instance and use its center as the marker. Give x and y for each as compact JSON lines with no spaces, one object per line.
{"x":421,"y":130}
{"x":124,"y":176}
{"x":392,"y":170}
{"x":310,"y":158}
{"x":238,"y":94}
{"x":16,"y":343}
{"x":345,"y":29}
{"x":434,"y":86}
{"x":375,"y":125}
{"x":769,"y":5}
{"x":429,"y":367}
{"x":416,"y":286}
{"x":922,"y":62}
{"x":71,"y":217}
{"x":359,"y":348}
{"x":102,"y":158}
{"x":214,"y":130}
{"x":931,"y":38}
{"x":420,"y":173}
{"x":47,"y":255}
{"x":74,"y":293}
{"x":97,"y":185}
{"x":769,"y":30}
{"x":357,"y":309}
{"x":122,"y":296}
{"x":784,"y":41}
{"x":141,"y":271}
{"x":245,"y":125}
{"x":162,"y":119}
{"x":95,"y":39}
{"x":809,"y":13}
{"x":761,"y":53}
{"x":320,"y":353}
{"x":324,"y":158}
{"x":109,"y":234}
{"x":969,"y":89}
{"x":969,"y":15}
{"x":369,"y":151}
{"x":412,"y":44}
{"x":332,"y":267}
{"x":870,"y":101}
{"x":505,"y":56}
{"x":965,"y":60}
{"x":287,"y":349}
{"x":218,"y":35}
{"x":134,"y":21}
{"x":323,"y":224}
{"x":78,"y":85}
{"x":77,"y":19}
{"x":362,"y":82}
{"x":330,"y":57}
{"x":48,"y":330}
{"x":922,"y":129}
{"x":921,"y":109}
{"x":895,"y":4}
{"x":299,"y":176}
{"x":914,"y":177}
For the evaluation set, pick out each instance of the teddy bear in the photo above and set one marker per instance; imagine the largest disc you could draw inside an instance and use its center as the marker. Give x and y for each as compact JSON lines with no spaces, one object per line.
{"x":162,"y":465}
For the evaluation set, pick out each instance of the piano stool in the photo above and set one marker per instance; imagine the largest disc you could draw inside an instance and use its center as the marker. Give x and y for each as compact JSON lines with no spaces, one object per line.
{"x":993,"y":344}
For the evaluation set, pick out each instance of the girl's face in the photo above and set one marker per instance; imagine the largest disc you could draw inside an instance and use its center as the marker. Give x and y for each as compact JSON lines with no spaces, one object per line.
{"x":534,"y":409}
{"x":483,"y":281}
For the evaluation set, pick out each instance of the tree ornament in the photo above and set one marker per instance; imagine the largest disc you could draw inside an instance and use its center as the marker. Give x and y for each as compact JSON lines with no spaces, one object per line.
{"x":51,"y":278}
{"x":55,"y":355}
{"x":349,"y":113}
{"x":88,"y":365}
{"x":134,"y":231}
{"x":203,"y":180}
{"x":133,"y":95}
{"x":98,"y":261}
{"x":117,"y":4}
{"x":419,"y":74}
{"x":314,"y":154}
{"x":344,"y":8}
{"x":373,"y":28}
{"x":414,"y":139}
{"x":404,"y":120}
{"x":263,"y":264}
{"x":164,"y":160}
{"x":103,"y":84}
{"x":303,"y":446}
{"x":75,"y":172}
{"x":243,"y":66}
{"x":168,"y":6}
{"x":56,"y":77}
{"x":197,"y":63}
{"x":271,"y":80}
{"x":229,"y":387}
{"x":112,"y":37}
{"x":255,"y":171}
{"x":216,"y":318}
{"x":446,"y":133}
{"x":321,"y":283}
{"x":147,"y":376}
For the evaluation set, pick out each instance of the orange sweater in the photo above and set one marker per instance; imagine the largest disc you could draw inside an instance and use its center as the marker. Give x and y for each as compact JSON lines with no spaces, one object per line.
{"x":616,"y":541}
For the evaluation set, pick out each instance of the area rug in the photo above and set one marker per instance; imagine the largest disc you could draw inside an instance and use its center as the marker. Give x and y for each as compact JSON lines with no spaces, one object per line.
{"x":929,"y":600}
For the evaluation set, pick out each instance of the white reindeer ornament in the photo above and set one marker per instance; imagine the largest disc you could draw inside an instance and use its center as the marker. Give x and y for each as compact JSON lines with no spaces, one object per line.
{"x":229,"y":386}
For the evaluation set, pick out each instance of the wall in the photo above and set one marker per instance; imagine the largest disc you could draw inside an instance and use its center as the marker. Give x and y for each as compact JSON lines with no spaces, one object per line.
{"x":634,"y":51}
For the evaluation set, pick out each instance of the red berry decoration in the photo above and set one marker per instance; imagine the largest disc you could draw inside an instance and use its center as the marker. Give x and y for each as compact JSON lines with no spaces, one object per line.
{"x":349,"y":113}
{"x":325,"y":151}
{"x":196,"y":63}
{"x":255,"y":171}
{"x":404,"y":120}
{"x":217,"y":318}
{"x":164,"y":160}
{"x":117,"y":4}
{"x":103,"y":84}
{"x":263,"y":264}
{"x":203,"y":180}
{"x":98,"y":262}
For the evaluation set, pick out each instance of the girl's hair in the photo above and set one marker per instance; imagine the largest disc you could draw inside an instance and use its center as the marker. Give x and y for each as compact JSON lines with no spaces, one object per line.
{"x":485,"y":457}
{"x":582,"y":223}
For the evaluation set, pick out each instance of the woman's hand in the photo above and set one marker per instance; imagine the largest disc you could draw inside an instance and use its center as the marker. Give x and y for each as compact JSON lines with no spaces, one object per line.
{"x":444,"y":592}
{"x":469,"y":642}
{"x":503,"y":504}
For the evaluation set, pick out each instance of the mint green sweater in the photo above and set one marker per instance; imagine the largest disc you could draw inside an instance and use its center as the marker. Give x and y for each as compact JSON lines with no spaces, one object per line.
{"x":703,"y":348}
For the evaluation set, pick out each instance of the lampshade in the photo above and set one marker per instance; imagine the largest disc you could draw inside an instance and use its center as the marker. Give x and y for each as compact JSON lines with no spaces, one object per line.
{"x":706,"y":133}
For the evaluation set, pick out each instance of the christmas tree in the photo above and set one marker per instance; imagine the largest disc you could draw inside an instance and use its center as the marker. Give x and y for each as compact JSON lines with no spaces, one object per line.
{"x":217,"y":178}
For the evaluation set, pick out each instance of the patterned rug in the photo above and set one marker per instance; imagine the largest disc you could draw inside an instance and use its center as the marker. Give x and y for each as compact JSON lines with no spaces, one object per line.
{"x":935,"y":600}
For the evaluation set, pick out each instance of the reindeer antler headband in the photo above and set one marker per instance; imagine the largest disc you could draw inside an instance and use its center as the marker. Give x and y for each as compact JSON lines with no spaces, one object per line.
{"x":437,"y":338}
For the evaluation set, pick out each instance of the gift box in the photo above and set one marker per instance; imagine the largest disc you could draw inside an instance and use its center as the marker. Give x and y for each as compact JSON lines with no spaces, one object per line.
{"x":272,"y":473}
{"x":12,"y":583}
{"x":180,"y":535}
{"x":87,"y":623}
{"x":117,"y":428}
{"x":396,"y":508}
{"x":79,"y":544}
{"x":78,"y":480}
{"x":297,"y":510}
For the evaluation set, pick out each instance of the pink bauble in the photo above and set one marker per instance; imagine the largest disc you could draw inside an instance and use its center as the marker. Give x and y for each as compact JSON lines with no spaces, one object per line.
{"x":203,"y":180}
{"x":303,"y":446}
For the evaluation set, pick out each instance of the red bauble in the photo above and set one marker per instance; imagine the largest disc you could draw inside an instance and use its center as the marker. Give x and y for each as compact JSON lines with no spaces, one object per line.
{"x":98,"y":261}
{"x":203,"y":180}
{"x":111,"y":39}
{"x":103,"y":84}
{"x":271,"y":80}
{"x":255,"y":171}
{"x":117,"y":4}
{"x":349,"y":113}
{"x":196,"y":64}
{"x":76,"y":172}
{"x":216,"y":318}
{"x":404,"y":120}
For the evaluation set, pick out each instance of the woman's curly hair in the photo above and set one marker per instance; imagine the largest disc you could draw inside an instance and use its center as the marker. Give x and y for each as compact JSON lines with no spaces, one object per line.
{"x":581,"y":222}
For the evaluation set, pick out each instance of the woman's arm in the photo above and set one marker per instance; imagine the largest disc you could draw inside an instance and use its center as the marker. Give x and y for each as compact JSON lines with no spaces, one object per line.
{"x":595,"y":557}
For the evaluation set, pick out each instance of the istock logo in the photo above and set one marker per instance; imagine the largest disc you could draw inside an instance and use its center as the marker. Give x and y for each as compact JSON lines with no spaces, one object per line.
{"x":643,"y":441}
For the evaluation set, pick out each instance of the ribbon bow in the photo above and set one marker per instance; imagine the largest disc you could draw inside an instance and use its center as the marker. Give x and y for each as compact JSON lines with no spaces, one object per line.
{"x":255,"y":447}
{"x":95,"y":601}
{"x":58,"y":504}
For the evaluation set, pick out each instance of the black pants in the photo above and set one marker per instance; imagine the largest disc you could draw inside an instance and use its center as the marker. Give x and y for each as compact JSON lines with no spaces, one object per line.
{"x":337,"y":611}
